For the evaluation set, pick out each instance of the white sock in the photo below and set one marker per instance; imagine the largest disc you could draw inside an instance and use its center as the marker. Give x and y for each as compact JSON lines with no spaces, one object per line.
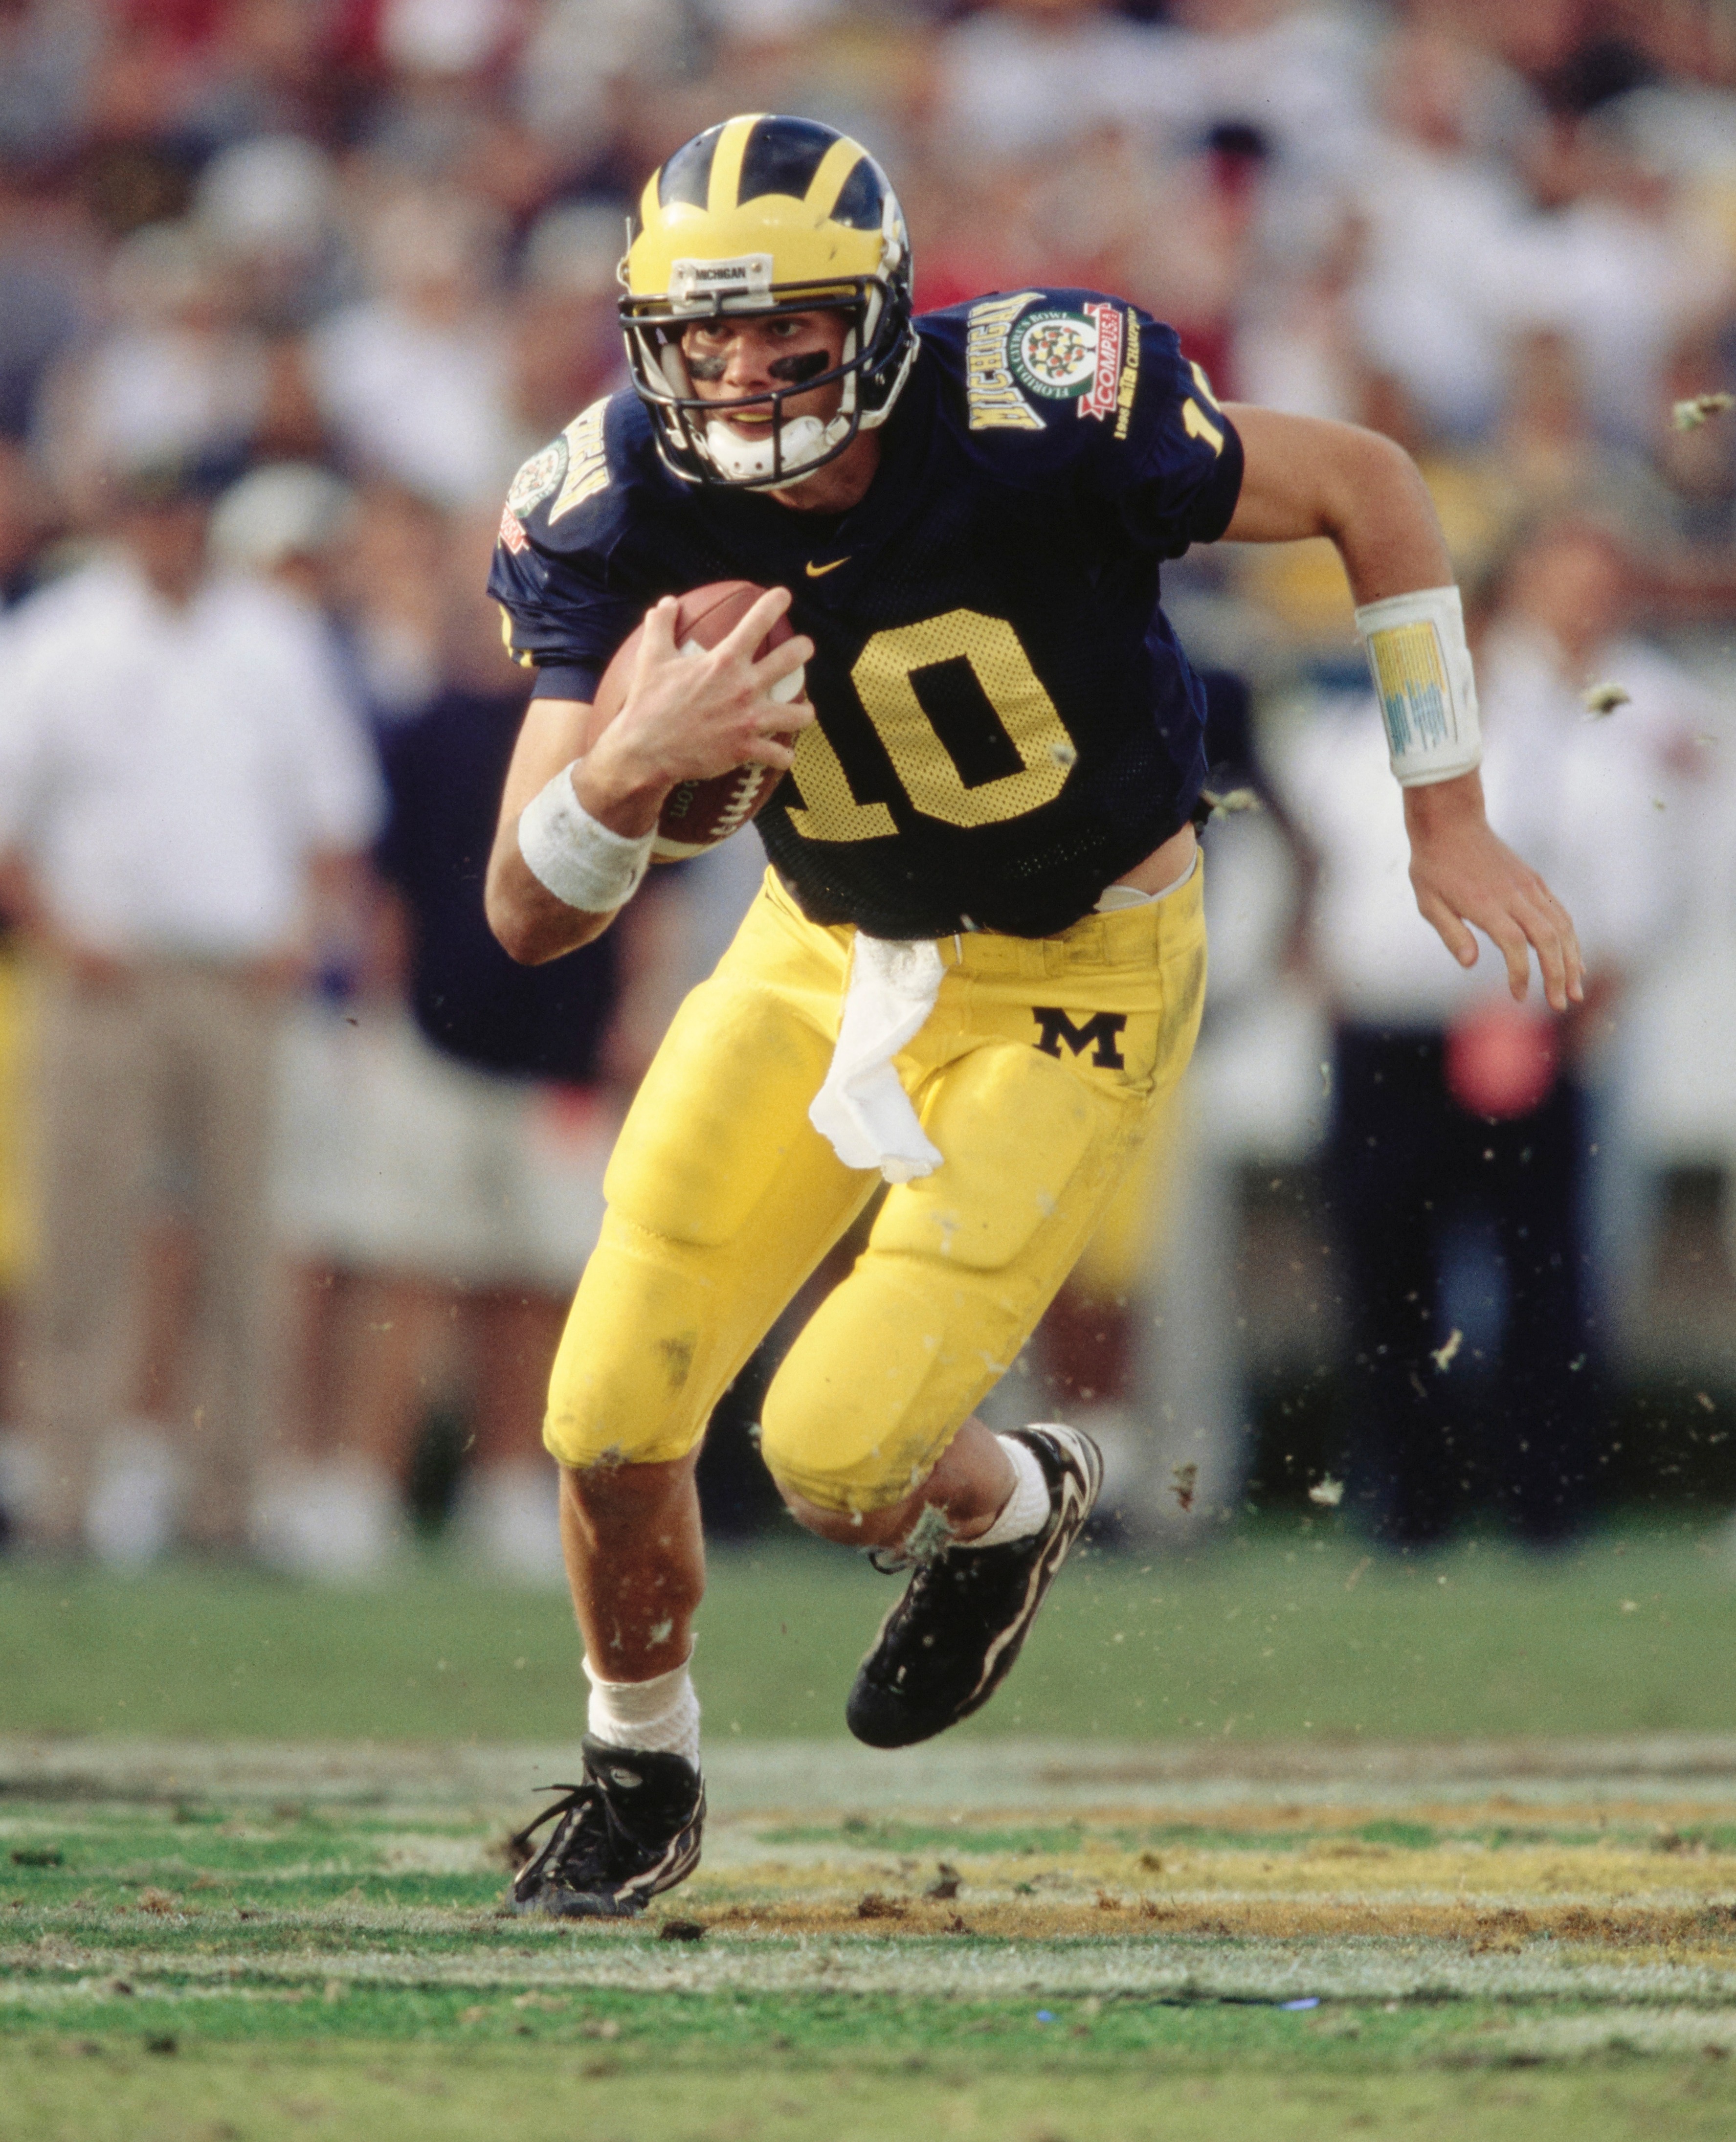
{"x":660,"y":1716}
{"x":1027,"y":1509}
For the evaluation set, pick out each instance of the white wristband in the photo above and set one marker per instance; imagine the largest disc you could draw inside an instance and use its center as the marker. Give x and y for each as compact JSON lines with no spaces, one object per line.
{"x":582,"y":863}
{"x":1422,"y":671}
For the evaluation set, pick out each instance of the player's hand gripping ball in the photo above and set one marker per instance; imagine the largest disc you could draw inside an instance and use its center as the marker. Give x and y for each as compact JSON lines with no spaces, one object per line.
{"x":696,"y":815}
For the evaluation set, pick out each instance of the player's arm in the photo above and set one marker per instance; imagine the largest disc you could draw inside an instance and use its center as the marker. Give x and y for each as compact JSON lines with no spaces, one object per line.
{"x":1304,"y":476}
{"x":576,"y":826}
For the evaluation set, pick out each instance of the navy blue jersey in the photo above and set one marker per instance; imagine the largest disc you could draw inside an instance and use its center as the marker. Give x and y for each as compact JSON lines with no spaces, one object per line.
{"x":1006,"y":722}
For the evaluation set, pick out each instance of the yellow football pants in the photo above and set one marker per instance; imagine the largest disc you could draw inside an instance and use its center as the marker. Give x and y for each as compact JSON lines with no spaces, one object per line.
{"x":1038,"y":1075}
{"x":1128,"y":1240}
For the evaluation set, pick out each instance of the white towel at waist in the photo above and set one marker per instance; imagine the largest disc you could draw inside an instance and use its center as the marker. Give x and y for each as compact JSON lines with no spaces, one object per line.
{"x":861,"y":1107}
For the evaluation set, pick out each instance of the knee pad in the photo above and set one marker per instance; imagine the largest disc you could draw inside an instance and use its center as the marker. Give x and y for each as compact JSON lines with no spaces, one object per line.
{"x":629,"y":1385}
{"x":878,"y":1384}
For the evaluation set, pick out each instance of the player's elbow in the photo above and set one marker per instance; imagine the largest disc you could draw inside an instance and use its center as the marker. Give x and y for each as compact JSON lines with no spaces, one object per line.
{"x":517,"y":933}
{"x":533,"y":940}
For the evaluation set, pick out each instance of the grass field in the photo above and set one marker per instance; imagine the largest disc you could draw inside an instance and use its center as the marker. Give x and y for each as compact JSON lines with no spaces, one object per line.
{"x":1287,"y":1630}
{"x":1274,"y":1844}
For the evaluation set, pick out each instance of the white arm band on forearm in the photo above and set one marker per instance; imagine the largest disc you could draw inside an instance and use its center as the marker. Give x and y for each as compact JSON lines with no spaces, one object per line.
{"x":1422,"y":671}
{"x":582,"y":863}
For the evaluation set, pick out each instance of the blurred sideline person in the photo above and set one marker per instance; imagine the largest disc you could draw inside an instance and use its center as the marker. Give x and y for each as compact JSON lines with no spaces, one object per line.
{"x":1455,"y":1109}
{"x":441,"y":1181}
{"x":181,"y":779}
{"x":976,"y":969}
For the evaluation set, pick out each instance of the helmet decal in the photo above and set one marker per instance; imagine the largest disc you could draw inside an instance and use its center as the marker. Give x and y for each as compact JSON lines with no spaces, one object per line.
{"x":783,"y":156}
{"x":686,"y":175}
{"x":863,"y":204}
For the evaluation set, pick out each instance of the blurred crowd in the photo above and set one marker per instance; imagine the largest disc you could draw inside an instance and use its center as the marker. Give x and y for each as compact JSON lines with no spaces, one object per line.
{"x":293,"y":1162}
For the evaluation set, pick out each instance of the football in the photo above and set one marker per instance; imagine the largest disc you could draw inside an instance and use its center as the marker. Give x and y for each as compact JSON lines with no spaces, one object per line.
{"x":697,"y":814}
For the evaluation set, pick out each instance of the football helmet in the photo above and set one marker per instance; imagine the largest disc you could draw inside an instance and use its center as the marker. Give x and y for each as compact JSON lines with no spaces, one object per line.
{"x":758,"y":214}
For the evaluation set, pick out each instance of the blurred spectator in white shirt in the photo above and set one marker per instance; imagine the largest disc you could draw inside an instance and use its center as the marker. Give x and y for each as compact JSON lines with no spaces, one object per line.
{"x":1438,"y":206}
{"x":175,"y":370}
{"x":1298,"y":72}
{"x":584,"y":65}
{"x":1618,"y":258}
{"x":267,"y":207}
{"x":567,"y":335}
{"x":415,"y":380}
{"x":1026,"y":78}
{"x":179,"y":771}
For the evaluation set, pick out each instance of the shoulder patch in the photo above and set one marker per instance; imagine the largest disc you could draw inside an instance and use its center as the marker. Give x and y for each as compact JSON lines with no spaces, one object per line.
{"x":1068,"y":356}
{"x":512,"y":532}
{"x":587,"y":460}
{"x":1053,"y":353}
{"x":990,"y":388}
{"x":538,"y":477}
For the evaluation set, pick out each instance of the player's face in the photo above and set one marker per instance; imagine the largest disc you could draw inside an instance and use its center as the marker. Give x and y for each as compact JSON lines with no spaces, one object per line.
{"x":733,"y":358}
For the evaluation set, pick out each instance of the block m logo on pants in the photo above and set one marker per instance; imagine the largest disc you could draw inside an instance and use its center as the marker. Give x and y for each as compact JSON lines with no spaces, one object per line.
{"x":1098,"y":1033}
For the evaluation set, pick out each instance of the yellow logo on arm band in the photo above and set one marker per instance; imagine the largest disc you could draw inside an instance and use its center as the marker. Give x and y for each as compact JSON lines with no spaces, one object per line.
{"x":1410,"y":674}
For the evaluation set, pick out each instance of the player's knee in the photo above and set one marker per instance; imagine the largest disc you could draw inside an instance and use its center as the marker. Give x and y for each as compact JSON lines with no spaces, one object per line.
{"x":840,"y":1475}
{"x":638,"y":1369}
{"x":592,"y":1450}
{"x":838,"y":1493}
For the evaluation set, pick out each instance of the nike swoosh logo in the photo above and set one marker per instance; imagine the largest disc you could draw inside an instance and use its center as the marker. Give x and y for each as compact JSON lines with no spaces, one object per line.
{"x":815,"y":571}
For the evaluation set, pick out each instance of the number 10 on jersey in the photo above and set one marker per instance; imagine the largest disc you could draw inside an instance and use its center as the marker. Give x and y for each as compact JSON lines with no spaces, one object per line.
{"x":926,"y":771}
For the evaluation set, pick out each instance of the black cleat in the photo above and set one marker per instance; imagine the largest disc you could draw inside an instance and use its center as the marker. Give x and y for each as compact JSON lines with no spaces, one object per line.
{"x":629,"y":1831}
{"x":950,"y":1641}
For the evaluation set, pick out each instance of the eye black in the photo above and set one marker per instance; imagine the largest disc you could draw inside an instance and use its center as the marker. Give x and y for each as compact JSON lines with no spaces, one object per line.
{"x":807,"y":366}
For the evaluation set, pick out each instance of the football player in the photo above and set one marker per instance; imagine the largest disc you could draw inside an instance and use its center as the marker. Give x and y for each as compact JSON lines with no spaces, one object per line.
{"x":976,"y":965}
